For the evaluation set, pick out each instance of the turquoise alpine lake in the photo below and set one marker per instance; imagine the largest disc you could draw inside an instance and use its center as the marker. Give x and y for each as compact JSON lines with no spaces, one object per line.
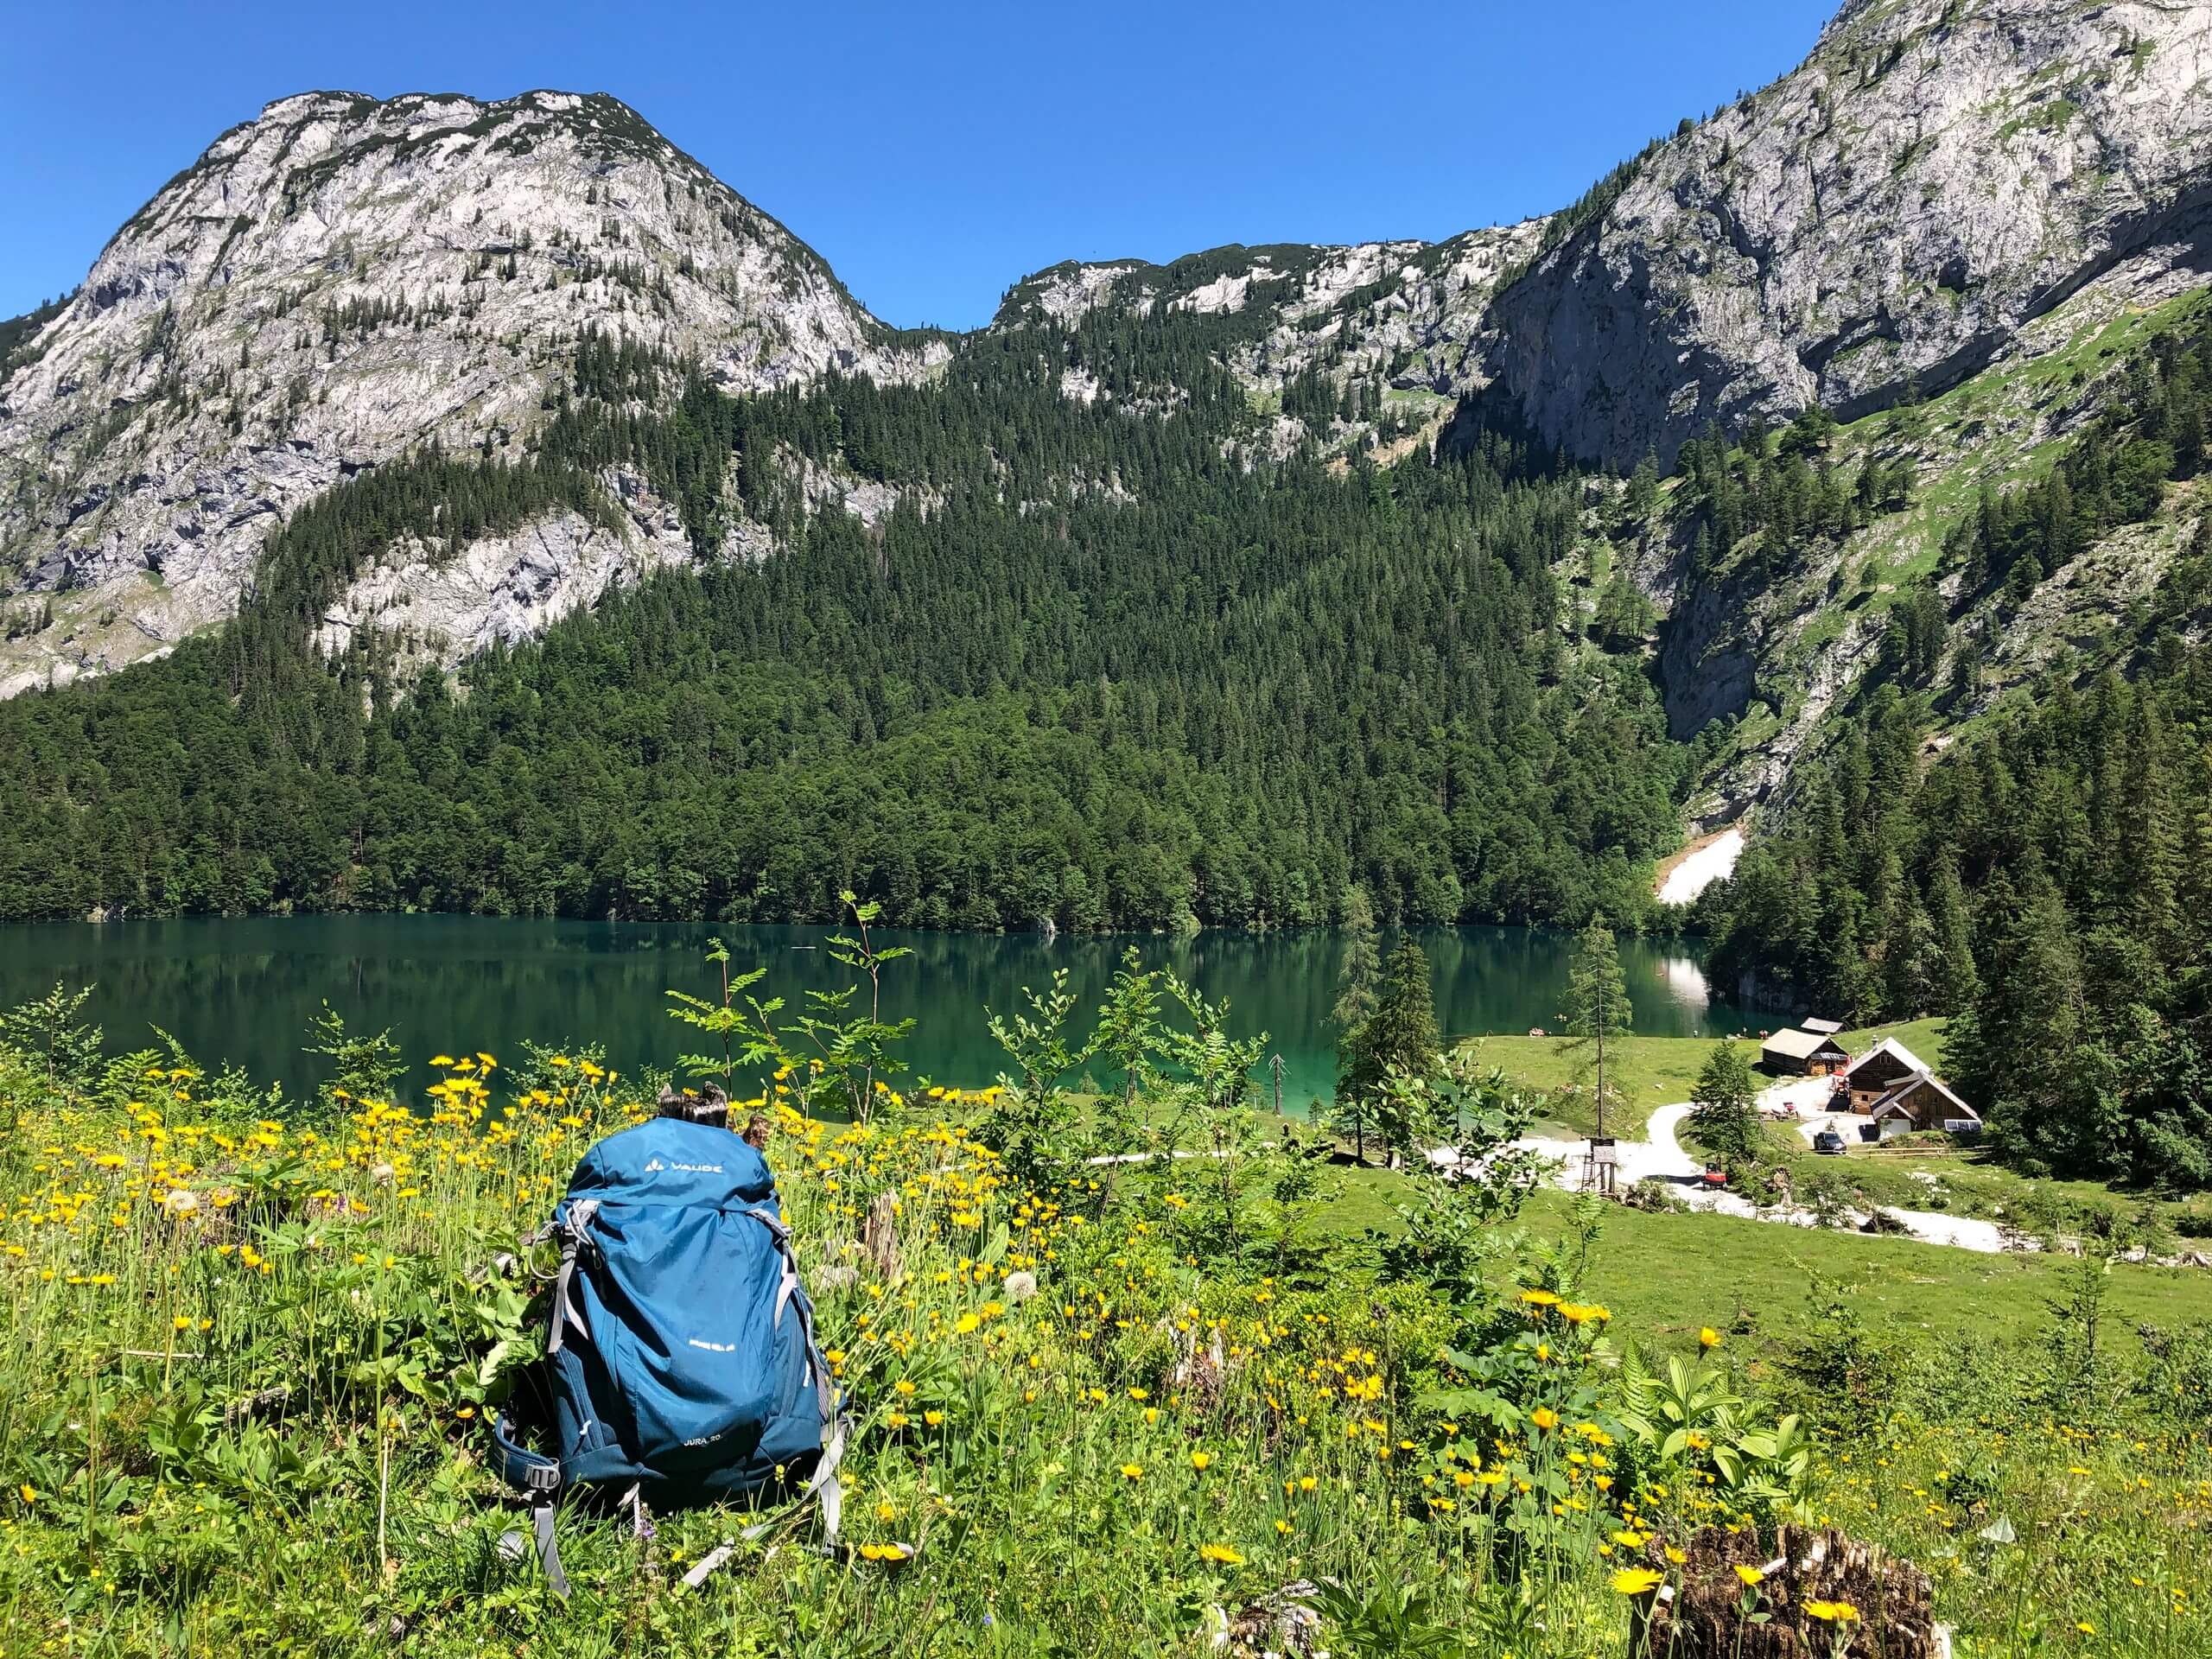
{"x":243,"y":991}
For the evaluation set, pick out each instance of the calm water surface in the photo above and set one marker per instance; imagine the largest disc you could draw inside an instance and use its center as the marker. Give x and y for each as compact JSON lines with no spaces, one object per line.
{"x":243,"y":990}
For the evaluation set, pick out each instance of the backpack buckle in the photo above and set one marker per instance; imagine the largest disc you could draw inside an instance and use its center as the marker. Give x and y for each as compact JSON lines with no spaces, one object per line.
{"x":542,"y":1478}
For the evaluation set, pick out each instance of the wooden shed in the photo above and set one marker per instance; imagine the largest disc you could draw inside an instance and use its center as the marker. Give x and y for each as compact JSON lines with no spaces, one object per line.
{"x":1802,"y":1053}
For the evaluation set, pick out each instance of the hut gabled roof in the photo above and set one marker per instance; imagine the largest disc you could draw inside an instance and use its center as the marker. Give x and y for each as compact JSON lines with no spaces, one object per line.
{"x":1890,"y":1045}
{"x":1799,"y":1045}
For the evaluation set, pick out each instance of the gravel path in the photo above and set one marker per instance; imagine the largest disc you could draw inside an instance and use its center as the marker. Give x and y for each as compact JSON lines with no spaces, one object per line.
{"x":1660,"y":1156}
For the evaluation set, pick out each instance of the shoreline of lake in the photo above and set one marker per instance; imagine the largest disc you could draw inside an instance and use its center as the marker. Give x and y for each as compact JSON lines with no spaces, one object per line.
{"x":243,"y":990}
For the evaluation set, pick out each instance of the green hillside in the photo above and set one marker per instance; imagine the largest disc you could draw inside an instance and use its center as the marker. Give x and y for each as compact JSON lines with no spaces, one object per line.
{"x":1099,"y":667}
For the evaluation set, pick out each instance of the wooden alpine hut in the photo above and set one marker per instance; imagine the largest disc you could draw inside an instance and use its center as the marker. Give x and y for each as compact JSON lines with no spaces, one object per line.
{"x":1796,"y":1053}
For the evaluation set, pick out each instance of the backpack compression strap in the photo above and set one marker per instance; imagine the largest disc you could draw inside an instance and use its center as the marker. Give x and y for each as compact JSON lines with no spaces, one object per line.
{"x":572,"y":1230}
{"x":539,"y":1478}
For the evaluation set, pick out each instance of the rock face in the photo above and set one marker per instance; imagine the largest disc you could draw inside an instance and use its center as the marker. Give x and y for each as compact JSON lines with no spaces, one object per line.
{"x":340,"y":282}
{"x":502,"y":590}
{"x":1938,"y":173}
{"x":1406,"y":315}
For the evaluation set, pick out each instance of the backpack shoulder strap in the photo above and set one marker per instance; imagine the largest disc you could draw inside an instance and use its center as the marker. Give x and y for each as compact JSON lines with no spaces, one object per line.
{"x":536,"y":1476}
{"x":823,"y":1483}
{"x":571,"y":1229}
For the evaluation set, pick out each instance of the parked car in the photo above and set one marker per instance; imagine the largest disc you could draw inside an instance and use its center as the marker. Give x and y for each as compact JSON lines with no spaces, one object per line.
{"x":1828,"y":1141}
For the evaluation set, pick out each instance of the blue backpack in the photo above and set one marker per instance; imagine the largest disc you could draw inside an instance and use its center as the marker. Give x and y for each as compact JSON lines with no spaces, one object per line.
{"x":681,"y":1360}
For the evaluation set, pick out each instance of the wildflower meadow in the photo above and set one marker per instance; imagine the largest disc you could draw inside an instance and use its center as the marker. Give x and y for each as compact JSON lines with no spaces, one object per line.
{"x":1106,"y":1398}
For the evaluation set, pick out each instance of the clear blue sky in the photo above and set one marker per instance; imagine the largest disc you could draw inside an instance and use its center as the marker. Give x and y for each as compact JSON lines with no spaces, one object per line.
{"x":933,"y":153}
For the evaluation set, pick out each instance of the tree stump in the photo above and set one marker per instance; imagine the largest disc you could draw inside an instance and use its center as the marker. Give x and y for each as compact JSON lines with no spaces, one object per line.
{"x":879,"y":1237}
{"x":1892,"y":1601}
{"x":1200,"y":1373}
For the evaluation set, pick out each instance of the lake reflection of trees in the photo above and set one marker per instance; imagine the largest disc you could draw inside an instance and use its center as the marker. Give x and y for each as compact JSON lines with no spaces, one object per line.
{"x":245,"y":989}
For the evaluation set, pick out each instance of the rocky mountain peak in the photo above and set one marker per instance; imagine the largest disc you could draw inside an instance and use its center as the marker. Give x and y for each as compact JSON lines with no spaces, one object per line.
{"x":343,"y":280}
{"x":1888,"y":218}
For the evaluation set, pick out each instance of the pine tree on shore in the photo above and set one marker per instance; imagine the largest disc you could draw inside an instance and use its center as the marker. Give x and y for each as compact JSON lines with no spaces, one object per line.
{"x":1357,"y":978}
{"x":1401,"y":1036}
{"x":1598,"y":1011}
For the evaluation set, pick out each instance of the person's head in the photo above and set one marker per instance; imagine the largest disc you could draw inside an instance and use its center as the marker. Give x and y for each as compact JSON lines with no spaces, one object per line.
{"x":709,"y":1105}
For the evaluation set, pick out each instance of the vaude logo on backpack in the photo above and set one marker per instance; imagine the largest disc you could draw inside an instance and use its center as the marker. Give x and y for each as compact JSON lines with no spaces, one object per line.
{"x":681,"y":1361}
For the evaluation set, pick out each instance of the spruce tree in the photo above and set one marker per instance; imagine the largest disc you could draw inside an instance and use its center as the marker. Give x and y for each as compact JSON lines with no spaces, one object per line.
{"x":1357,"y":977}
{"x":2147,"y":868}
{"x":1598,"y":1010}
{"x":1360,"y":967}
{"x":1724,"y":1119}
{"x":1956,"y":981}
{"x":1401,"y":1036}
{"x":1402,"y":1032}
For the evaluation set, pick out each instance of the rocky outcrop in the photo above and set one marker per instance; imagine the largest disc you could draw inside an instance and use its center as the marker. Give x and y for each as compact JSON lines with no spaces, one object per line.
{"x":1403,"y":315}
{"x":1938,"y":173}
{"x":340,"y":282}
{"x":501,"y":590}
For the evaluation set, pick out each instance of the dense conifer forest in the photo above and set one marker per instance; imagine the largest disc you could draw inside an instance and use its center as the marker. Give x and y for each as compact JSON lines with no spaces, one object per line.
{"x":1100,"y":664}
{"x":2048,"y":877}
{"x":1108,"y":663}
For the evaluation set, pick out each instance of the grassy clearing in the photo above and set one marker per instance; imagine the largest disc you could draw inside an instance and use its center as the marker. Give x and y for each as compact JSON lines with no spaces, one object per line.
{"x":1668,"y":1273}
{"x":1644,"y":1071}
{"x":246,"y":1365}
{"x":1652,"y":1071}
